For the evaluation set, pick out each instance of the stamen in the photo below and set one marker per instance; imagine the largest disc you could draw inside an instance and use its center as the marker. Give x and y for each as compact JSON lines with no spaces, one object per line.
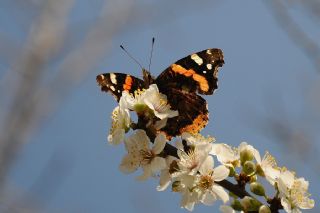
{"x":205,"y":182}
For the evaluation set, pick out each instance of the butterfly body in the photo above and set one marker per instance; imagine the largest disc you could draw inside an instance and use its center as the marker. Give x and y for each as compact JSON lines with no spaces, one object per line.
{"x":181,"y":82}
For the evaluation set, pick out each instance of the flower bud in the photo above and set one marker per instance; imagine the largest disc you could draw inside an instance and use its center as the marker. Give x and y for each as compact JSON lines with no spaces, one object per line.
{"x":236,"y":205}
{"x":246,"y":155}
{"x":253,"y":178}
{"x":250,"y":204}
{"x":232,"y":171}
{"x":249,"y":168}
{"x":264,"y":209}
{"x":257,"y":189}
{"x":259,"y":171}
{"x":140,"y":108}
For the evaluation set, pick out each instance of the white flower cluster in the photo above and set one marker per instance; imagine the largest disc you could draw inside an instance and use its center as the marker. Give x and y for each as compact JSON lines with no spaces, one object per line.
{"x":191,"y":171}
{"x":146,"y":101}
{"x":291,"y":191}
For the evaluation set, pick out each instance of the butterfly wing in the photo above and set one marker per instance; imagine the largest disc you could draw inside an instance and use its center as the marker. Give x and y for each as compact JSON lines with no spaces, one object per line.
{"x":115,"y":83}
{"x":193,"y":113}
{"x":181,"y":81}
{"x":197,"y":72}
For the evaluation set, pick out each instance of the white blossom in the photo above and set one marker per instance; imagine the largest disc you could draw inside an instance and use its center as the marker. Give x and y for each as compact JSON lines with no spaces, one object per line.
{"x":268,"y":165}
{"x":293,"y":192}
{"x":190,"y":161}
{"x":226,"y":154}
{"x":209,"y":190}
{"x":120,"y":125}
{"x":190,"y":196}
{"x":158,"y":103}
{"x":165,"y":175}
{"x":140,"y":154}
{"x":151,"y":99}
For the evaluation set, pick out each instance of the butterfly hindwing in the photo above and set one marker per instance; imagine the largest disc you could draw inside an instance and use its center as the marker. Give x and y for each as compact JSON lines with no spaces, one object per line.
{"x":115,"y":83}
{"x":193,"y":112}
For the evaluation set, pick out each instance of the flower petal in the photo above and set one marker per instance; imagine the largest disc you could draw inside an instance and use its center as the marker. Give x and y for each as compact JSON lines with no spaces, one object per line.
{"x":146,"y":173}
{"x":160,"y":124}
{"x":220,"y":173}
{"x":221,"y":193}
{"x":207,"y":165}
{"x":257,"y":156}
{"x":157,"y":164}
{"x":287,"y":178}
{"x":226,"y":209}
{"x":129,"y":164}
{"x":127,"y":101}
{"x":271,"y":174}
{"x":159,"y":143}
{"x":116,"y":137}
{"x":142,"y":139}
{"x":165,"y":180}
{"x":225,"y":154}
{"x":286,"y":205}
{"x":208,"y":198}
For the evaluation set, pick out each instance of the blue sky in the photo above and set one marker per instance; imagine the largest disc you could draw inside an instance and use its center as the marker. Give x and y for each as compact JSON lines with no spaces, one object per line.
{"x":266,"y":77}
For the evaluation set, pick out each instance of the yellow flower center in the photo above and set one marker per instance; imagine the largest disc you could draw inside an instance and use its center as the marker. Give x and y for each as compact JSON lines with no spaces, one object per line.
{"x":205,"y":182}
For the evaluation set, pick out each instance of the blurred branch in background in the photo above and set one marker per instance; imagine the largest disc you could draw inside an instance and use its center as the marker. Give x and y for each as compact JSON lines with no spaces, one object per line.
{"x":30,"y":97}
{"x":46,"y":184}
{"x":24,"y":80}
{"x":53,"y":59}
{"x":298,"y":133}
{"x":295,"y":133}
{"x":302,"y":38}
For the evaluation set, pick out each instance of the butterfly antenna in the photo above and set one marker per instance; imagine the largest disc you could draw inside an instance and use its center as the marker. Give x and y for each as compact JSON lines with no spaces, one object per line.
{"x":151,"y":53}
{"x":131,"y":57}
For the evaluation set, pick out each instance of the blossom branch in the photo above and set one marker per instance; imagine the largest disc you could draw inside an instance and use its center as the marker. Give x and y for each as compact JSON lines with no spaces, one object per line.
{"x":172,"y":151}
{"x":188,"y":166}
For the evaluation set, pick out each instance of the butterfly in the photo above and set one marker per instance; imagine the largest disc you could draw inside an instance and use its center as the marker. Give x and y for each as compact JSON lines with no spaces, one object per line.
{"x":182,"y":82}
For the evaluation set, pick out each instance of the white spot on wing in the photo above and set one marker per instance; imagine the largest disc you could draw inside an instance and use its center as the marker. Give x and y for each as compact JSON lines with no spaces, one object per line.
{"x":197,"y":59}
{"x":209,"y":66}
{"x":209,"y":52}
{"x":112,"y":88}
{"x":113,"y":78}
{"x":204,"y":71}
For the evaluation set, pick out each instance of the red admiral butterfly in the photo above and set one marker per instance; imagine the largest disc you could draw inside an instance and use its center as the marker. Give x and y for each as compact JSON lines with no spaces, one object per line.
{"x":180,"y":82}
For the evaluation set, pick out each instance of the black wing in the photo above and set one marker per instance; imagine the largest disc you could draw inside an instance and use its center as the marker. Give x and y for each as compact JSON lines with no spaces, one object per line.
{"x":181,"y":81}
{"x":115,"y":83}
{"x":197,"y":72}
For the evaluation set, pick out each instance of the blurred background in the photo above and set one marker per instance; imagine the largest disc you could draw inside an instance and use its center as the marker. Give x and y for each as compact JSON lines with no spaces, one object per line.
{"x":54,"y":121}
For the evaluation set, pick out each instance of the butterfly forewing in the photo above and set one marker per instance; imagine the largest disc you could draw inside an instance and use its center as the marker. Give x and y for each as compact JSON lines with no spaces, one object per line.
{"x":115,"y":83}
{"x":197,"y":72}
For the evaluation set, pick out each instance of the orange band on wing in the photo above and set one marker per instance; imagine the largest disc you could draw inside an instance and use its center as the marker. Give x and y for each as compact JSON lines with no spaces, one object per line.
{"x":202,"y":81}
{"x":204,"y":86}
{"x":198,"y":123}
{"x":127,"y":83}
{"x":179,"y":69}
